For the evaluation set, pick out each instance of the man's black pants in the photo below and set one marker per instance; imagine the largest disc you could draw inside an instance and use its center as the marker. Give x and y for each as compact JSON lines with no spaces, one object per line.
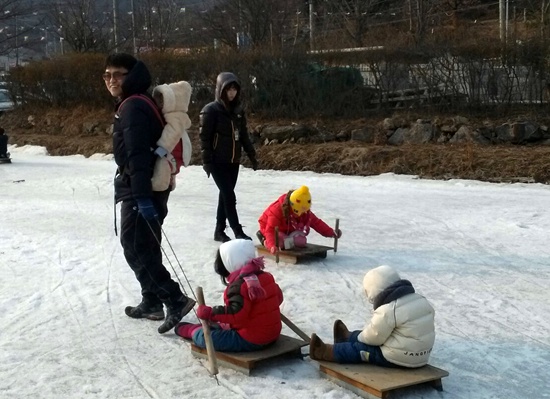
{"x":141,"y":243}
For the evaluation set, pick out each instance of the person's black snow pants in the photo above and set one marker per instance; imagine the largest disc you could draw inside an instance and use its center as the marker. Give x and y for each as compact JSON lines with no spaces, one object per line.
{"x":225,"y":176}
{"x":3,"y":145}
{"x":141,"y":244}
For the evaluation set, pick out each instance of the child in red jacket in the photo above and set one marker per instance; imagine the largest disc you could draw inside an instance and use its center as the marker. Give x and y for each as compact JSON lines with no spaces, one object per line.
{"x":292,"y":215}
{"x":250,"y":318}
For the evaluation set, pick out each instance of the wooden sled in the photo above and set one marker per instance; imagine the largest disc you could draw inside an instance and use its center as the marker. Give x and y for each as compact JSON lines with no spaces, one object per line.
{"x":5,"y":160}
{"x":370,"y":381}
{"x":297,"y":254}
{"x":246,"y":361}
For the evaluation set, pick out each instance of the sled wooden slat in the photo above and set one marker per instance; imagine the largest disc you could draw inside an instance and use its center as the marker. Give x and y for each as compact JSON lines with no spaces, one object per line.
{"x":297,"y":254}
{"x":246,"y":361}
{"x":370,"y":381}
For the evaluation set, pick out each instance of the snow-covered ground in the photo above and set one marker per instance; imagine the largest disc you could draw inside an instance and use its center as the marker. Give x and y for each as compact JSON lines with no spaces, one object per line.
{"x":479,"y":252}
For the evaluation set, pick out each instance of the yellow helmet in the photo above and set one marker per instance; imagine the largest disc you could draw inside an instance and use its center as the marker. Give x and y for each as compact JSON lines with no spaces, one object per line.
{"x":300,"y":201}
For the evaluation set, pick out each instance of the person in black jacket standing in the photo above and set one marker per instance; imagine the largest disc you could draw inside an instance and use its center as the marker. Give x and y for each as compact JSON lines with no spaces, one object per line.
{"x":4,"y":154}
{"x":223,"y":132}
{"x":136,"y":130}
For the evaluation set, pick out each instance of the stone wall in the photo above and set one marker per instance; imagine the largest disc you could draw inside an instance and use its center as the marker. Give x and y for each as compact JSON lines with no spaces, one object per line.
{"x":398,"y":131}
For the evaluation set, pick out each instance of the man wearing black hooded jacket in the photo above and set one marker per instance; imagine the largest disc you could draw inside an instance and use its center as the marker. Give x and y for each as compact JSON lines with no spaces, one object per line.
{"x":136,"y":130}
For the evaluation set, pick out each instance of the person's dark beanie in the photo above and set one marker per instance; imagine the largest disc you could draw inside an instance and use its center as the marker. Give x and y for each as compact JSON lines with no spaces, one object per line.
{"x":120,"y":60}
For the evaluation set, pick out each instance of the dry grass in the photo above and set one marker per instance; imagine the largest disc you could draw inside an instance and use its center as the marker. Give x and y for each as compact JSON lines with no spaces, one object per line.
{"x":487,"y":163}
{"x":60,"y":132}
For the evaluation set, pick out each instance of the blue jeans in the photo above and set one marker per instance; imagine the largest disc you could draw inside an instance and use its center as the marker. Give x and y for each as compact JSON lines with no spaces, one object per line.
{"x":226,"y":341}
{"x":354,"y":351}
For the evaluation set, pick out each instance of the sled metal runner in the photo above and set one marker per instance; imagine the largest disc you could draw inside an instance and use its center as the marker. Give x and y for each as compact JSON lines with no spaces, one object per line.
{"x":370,"y":381}
{"x":246,"y":361}
{"x":296,"y":255}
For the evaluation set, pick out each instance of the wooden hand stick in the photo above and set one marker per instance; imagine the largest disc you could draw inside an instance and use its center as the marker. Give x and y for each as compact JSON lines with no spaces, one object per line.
{"x":336,"y":238}
{"x":277,"y":244}
{"x":212,"y":361}
{"x":294,"y":328}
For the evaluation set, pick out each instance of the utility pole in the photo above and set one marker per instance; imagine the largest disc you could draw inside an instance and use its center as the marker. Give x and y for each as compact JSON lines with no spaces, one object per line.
{"x":507,"y":19}
{"x":240,"y":17}
{"x":46,"y":48}
{"x":16,"y":42}
{"x":502,"y":12}
{"x":115,"y":33}
{"x":134,"y":27}
{"x":311,"y":27}
{"x":544,"y":10}
{"x":410,"y":16}
{"x":240,"y":34}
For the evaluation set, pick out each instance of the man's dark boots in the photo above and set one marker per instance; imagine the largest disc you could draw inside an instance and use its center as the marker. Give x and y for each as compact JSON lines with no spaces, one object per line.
{"x":145,"y":310}
{"x":176,"y":310}
{"x":219,"y":234}
{"x":239,"y":233}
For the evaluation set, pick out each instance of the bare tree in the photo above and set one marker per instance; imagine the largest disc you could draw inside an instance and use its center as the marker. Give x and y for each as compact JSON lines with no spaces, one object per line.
{"x":420,"y":12}
{"x":159,"y":24}
{"x":452,"y":8}
{"x":354,"y":16}
{"x":257,"y":22}
{"x":13,"y":27}
{"x":82,"y":26}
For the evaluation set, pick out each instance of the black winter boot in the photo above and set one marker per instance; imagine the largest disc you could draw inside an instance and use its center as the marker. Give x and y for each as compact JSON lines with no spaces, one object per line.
{"x":239,"y":233}
{"x":260,"y":237}
{"x":175,"y":312}
{"x":145,"y":310}
{"x":219,"y":234}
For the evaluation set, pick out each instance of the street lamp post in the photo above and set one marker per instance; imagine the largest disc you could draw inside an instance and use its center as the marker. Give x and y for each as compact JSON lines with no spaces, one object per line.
{"x":311,"y":26}
{"x":115,"y":32}
{"x":503,"y":20}
{"x":134,"y":27}
{"x":46,"y":39}
{"x":16,"y":43}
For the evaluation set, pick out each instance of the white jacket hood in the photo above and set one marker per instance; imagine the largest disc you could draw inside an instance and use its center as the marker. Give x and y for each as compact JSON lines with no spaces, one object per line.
{"x":175,"y":96}
{"x":378,"y":279}
{"x":237,"y":253}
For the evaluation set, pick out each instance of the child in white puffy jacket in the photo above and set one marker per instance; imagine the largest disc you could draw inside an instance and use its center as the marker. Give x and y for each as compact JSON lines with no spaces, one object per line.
{"x":401,"y":331}
{"x":173,"y":100}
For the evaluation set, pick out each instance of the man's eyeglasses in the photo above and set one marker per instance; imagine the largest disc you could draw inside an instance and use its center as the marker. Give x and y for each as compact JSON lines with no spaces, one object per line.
{"x":116,"y":75}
